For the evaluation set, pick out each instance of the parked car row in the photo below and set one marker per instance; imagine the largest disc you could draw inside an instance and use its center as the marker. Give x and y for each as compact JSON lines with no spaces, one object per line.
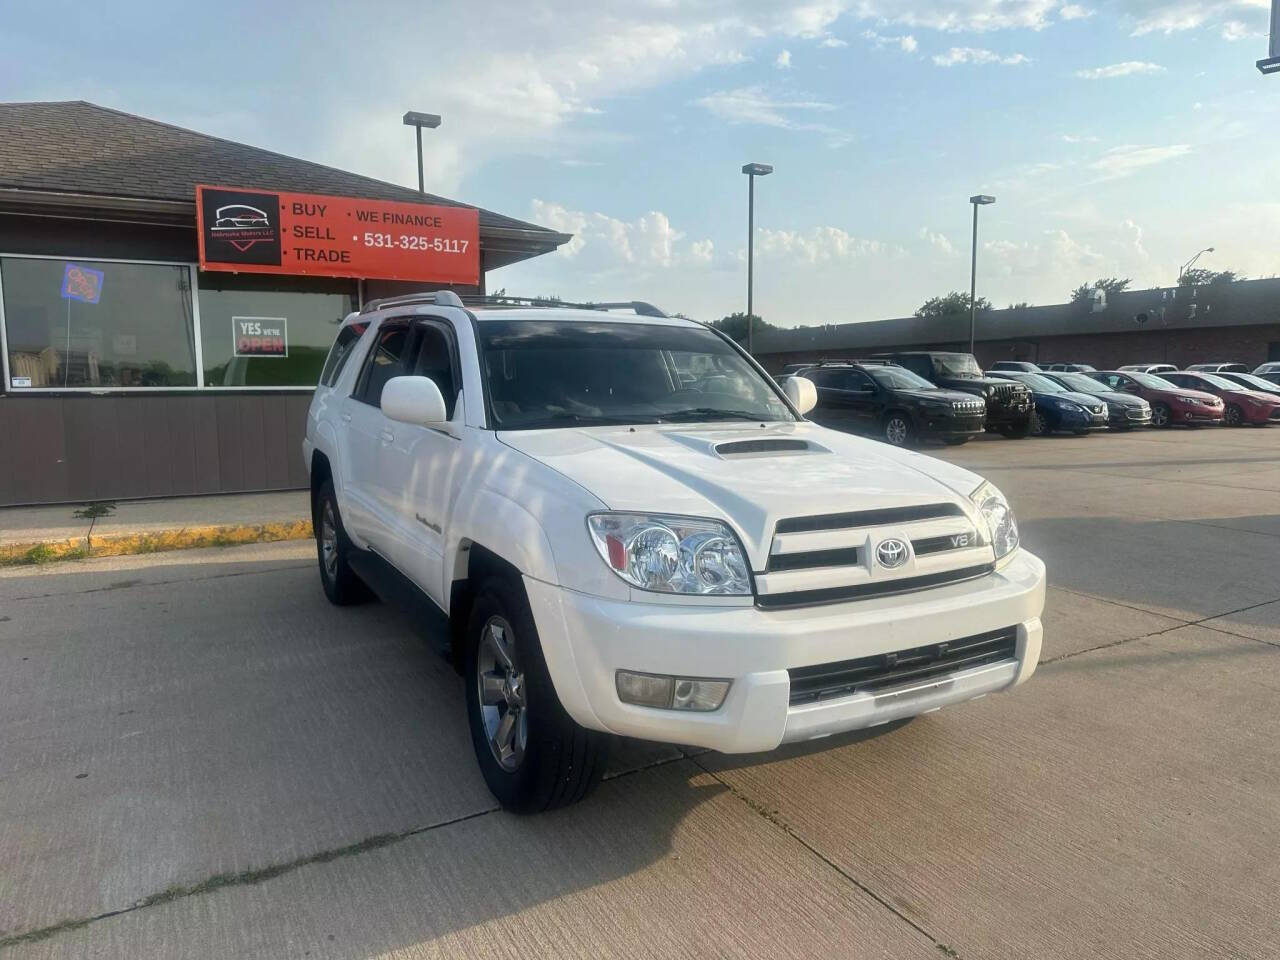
{"x":903,"y":398}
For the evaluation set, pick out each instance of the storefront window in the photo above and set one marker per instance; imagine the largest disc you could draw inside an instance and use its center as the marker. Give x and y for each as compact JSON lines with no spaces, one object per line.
{"x":269,"y":331}
{"x":86,"y":323}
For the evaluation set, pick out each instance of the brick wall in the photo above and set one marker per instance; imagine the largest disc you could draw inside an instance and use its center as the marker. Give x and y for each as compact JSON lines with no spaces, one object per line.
{"x":1250,"y":345}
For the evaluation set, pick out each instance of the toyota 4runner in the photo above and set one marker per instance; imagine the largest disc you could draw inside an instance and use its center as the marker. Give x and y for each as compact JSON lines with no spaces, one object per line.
{"x":632,"y":530}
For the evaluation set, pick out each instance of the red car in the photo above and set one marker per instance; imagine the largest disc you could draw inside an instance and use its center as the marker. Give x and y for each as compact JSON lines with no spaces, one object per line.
{"x":1170,"y":403}
{"x":1243,"y":405}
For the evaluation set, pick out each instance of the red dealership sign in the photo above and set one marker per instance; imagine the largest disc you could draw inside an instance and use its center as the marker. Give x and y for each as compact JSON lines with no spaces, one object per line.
{"x":252,"y":231}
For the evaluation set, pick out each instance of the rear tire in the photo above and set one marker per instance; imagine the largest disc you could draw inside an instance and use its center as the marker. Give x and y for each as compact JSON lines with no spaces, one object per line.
{"x":532,"y":754}
{"x":1161,"y":415}
{"x":341,"y":584}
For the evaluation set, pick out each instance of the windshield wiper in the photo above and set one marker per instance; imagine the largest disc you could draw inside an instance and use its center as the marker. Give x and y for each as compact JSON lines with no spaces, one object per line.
{"x":713,"y":413}
{"x":580,"y":420}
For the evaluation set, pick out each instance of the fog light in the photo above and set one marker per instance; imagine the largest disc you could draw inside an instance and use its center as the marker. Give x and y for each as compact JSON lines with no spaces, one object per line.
{"x":670,"y":693}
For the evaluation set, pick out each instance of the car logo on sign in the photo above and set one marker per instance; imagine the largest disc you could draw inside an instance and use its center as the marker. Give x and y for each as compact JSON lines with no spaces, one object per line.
{"x":891,"y":553}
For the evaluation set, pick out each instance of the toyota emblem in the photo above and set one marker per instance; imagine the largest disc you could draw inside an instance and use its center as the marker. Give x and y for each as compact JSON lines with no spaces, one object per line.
{"x":891,"y":554}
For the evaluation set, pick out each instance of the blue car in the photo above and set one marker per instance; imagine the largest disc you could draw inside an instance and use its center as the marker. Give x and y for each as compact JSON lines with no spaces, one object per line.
{"x":1059,"y":409}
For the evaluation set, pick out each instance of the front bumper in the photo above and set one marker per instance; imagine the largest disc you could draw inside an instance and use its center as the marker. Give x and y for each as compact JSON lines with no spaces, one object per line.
{"x":586,"y":639}
{"x":1083,"y":420}
{"x":1209,"y":415}
{"x":946,"y":425}
{"x":1124,"y":418}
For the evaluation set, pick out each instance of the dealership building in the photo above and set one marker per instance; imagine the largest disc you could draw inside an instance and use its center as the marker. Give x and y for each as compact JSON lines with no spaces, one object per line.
{"x":1237,"y":322}
{"x":167,"y":298}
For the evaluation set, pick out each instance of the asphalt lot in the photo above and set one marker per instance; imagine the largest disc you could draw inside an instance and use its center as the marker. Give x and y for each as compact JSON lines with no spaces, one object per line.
{"x":200,"y":758}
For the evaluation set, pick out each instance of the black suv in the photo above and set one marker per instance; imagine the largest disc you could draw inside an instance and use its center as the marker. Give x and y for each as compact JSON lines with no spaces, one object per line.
{"x":886,"y":401}
{"x":1009,"y":405}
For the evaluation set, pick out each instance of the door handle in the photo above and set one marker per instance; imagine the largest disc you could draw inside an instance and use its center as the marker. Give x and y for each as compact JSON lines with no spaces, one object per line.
{"x":386,"y":436}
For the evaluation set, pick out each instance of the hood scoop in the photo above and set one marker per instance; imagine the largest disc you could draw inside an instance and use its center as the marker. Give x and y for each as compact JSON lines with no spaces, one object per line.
{"x":766,"y":447}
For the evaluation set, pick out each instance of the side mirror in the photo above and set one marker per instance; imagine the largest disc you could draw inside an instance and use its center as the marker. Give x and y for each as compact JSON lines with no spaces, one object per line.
{"x":414,"y":400}
{"x":802,"y":393}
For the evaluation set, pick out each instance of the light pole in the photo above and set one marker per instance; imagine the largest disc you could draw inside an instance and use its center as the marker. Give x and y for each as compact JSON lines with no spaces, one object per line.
{"x":420,"y":120}
{"x":978,"y":200}
{"x":1188,"y":265}
{"x":752,"y":170}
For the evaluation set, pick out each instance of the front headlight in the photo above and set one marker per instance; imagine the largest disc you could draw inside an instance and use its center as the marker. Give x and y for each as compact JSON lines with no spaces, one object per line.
{"x":1002,"y":528}
{"x":671,"y":554}
{"x":1068,"y":406}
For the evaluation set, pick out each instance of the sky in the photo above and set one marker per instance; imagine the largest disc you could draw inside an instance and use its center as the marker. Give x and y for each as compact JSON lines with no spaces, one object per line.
{"x":1119,"y":138}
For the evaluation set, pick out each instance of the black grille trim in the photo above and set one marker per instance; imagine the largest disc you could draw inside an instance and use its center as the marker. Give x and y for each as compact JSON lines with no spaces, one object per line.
{"x":866,"y":591}
{"x":846,"y":557}
{"x":929,"y":545}
{"x":868,"y":518}
{"x":760,"y":446}
{"x":827,"y":681}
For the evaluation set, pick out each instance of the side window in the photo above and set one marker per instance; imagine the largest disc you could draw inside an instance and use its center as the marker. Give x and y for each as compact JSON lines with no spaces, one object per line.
{"x":918,"y":365}
{"x":386,"y":360}
{"x":435,"y":361}
{"x":1179,"y":380}
{"x":340,"y":352}
{"x":826,"y":379}
{"x":857,"y":380}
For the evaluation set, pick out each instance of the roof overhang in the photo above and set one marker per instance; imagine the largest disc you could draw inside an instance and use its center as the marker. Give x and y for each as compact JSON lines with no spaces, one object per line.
{"x":499,"y":246}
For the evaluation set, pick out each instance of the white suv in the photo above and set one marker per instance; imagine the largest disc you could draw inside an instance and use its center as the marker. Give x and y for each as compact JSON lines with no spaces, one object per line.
{"x":633,"y":530}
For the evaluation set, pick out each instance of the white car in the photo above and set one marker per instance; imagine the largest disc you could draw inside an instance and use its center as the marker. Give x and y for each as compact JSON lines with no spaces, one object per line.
{"x":633,"y":530}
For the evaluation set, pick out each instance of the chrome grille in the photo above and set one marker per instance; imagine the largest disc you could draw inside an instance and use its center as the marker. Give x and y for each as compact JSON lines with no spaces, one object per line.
{"x":833,"y":558}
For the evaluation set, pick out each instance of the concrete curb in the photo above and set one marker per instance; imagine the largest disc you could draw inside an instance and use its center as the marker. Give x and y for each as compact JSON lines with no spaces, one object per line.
{"x":119,"y":544}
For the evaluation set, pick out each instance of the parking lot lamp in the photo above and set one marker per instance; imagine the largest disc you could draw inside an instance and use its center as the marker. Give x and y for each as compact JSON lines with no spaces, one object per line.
{"x":1190,"y":263}
{"x":979,"y":200}
{"x":752,"y":170}
{"x":420,"y":120}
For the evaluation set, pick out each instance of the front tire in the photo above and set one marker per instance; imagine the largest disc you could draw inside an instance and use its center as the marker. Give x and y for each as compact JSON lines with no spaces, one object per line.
{"x":341,"y":584}
{"x":1039,"y":427}
{"x":532,"y":754}
{"x":898,"y":431}
{"x":1016,"y":431}
{"x":1161,"y":415}
{"x":1234,"y":416}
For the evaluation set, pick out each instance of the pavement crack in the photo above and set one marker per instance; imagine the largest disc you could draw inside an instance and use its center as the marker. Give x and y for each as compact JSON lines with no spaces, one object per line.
{"x":132,"y":584}
{"x":241,"y":878}
{"x":772,"y":816}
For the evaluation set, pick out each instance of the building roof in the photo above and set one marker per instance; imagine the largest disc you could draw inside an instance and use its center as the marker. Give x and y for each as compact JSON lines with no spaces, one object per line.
{"x":75,"y":147}
{"x":1243,"y":303}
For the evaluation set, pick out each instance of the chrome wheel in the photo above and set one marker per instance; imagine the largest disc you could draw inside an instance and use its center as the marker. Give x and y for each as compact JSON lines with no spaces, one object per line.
{"x":1235,"y":416}
{"x":329,"y":541}
{"x":1160,"y":415}
{"x":896,"y":431}
{"x":1038,"y":426}
{"x":500,"y":684}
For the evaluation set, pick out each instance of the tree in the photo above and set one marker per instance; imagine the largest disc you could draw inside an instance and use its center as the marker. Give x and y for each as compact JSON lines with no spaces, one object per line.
{"x":954,"y":304}
{"x":1199,"y":277}
{"x":1109,"y":285}
{"x":735,"y":326}
{"x":1021,"y":305}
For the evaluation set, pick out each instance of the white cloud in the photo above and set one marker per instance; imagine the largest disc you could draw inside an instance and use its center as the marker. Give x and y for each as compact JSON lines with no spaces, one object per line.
{"x":1077,"y":138}
{"x":648,"y":241}
{"x":937,"y":240}
{"x":1126,"y":69}
{"x":1073,"y":11}
{"x":753,"y":105}
{"x":1177,"y":16}
{"x":816,"y":245}
{"x":1135,"y":233}
{"x":833,"y":42}
{"x":1236,"y":30}
{"x":1122,"y":161}
{"x":701,"y":251}
{"x":962,"y":16}
{"x":906,"y":42}
{"x":957,"y":55}
{"x":784,"y":60}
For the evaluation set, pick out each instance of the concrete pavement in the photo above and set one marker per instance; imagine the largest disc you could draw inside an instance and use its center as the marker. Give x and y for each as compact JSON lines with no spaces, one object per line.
{"x":200,"y":758}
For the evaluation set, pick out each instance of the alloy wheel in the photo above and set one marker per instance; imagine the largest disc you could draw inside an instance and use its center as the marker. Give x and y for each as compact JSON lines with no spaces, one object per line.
{"x":329,"y":541}
{"x":1235,"y":416}
{"x":500,"y":684}
{"x":1160,"y":415}
{"x":896,"y":431}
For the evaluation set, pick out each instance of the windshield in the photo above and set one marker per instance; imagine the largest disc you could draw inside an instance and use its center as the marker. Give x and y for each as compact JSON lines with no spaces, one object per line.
{"x":1154,"y":382}
{"x":1080,"y":383}
{"x":956,"y":365}
{"x":549,"y":373}
{"x":1220,"y":382}
{"x":1256,"y":383}
{"x":897,"y":378}
{"x":1037,"y":382}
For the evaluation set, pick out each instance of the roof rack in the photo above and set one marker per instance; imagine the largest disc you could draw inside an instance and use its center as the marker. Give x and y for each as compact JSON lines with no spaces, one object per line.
{"x":639,"y":306}
{"x":439,"y":298}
